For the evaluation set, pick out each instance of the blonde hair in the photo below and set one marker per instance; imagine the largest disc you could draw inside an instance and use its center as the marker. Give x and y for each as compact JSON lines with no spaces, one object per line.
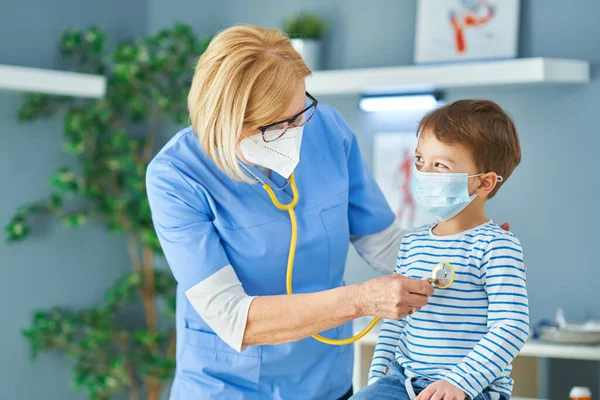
{"x":246,"y":78}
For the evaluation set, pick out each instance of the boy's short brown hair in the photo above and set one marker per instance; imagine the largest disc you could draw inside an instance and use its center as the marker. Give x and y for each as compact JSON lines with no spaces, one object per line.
{"x":483,"y":127}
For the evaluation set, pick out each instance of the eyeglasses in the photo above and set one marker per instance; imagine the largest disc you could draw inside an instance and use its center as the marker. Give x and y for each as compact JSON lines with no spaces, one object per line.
{"x":276,"y":130}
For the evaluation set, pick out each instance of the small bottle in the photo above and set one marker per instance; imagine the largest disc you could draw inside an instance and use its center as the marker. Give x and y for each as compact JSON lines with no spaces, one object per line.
{"x":580,"y":393}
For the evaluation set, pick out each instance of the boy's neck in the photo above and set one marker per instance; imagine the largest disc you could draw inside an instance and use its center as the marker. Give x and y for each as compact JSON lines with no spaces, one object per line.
{"x":469,"y":218}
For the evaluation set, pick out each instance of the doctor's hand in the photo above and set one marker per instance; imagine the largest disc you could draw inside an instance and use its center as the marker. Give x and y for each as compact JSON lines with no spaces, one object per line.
{"x":441,"y":390}
{"x":392,"y":296}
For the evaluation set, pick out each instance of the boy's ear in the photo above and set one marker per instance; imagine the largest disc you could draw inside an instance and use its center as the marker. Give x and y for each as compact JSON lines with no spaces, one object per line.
{"x":487,"y":183}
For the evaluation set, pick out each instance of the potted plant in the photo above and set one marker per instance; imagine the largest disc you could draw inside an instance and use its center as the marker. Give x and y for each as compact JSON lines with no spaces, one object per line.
{"x":147,"y":84}
{"x":306,"y":30}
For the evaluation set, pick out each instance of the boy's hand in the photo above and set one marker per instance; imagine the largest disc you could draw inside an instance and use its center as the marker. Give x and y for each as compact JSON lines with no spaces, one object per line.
{"x":442,"y":390}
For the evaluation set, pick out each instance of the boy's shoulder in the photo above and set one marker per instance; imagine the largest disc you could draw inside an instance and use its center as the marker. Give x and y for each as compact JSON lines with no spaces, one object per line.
{"x":421,"y":231}
{"x":494,"y":241}
{"x":489,"y":233}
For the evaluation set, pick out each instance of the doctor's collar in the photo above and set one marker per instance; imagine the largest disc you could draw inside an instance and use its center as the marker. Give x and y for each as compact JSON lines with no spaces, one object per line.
{"x":258,"y":179}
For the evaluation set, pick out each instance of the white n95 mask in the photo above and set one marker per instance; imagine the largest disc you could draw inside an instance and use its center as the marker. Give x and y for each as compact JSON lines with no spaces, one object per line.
{"x":443,"y":195}
{"x":281,"y":155}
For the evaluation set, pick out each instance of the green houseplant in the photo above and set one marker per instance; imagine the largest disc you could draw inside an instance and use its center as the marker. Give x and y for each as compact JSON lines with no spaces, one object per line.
{"x":147,"y":82}
{"x":305,"y":25}
{"x":306,"y":30}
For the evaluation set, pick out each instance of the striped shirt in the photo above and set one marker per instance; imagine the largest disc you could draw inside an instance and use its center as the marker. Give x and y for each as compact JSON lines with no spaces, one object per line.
{"x":470,"y":332}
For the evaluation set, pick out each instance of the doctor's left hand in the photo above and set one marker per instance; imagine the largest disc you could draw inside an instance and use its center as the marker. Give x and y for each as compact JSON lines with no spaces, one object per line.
{"x":442,"y":390}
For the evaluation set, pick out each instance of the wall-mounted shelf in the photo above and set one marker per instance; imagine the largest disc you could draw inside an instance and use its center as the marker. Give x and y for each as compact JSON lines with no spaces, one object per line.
{"x":414,"y":78}
{"x":51,"y":82}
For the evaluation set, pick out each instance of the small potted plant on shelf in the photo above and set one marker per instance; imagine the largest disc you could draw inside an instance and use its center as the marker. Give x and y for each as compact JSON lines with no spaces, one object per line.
{"x":306,"y":30}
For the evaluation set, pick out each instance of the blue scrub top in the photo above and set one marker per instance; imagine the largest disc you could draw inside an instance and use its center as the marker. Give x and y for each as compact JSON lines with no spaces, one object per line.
{"x":205,"y":221}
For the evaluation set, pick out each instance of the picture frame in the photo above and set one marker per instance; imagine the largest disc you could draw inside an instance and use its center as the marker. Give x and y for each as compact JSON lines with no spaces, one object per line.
{"x":462,"y":30}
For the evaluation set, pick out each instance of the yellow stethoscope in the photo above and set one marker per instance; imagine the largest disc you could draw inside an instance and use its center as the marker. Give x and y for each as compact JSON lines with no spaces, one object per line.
{"x":442,"y":274}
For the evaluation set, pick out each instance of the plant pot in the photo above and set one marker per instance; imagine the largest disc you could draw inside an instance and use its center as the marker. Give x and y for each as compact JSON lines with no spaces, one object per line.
{"x":310,"y":50}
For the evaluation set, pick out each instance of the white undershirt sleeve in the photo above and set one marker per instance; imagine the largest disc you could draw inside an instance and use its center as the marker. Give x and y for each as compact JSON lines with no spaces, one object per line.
{"x":380,"y":250}
{"x":223,"y":304}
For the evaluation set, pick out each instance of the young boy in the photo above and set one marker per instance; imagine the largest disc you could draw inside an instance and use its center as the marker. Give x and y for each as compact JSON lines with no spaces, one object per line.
{"x":461,"y":344}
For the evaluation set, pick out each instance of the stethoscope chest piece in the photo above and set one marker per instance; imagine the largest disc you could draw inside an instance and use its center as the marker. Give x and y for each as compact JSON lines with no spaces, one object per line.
{"x":442,"y":275}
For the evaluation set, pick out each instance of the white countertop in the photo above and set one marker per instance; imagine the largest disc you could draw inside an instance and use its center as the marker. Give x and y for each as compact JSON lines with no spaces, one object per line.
{"x":533,"y":348}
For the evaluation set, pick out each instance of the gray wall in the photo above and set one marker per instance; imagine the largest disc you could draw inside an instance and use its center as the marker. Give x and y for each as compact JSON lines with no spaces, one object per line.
{"x":375,"y":33}
{"x":58,"y":266}
{"x":550,"y":198}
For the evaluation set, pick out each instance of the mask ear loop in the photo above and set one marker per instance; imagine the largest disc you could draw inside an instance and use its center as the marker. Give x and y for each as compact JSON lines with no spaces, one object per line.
{"x":499,"y":178}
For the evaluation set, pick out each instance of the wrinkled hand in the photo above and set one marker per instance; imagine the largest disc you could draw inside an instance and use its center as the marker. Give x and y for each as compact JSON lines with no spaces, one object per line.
{"x":392,"y":296}
{"x":442,"y":390}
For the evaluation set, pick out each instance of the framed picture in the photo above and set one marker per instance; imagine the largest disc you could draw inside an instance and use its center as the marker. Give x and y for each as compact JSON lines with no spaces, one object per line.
{"x":456,"y":30}
{"x":393,"y":166}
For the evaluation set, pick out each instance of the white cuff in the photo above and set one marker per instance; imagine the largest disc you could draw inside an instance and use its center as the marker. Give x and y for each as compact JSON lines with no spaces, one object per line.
{"x":380,"y":250}
{"x":223,"y":304}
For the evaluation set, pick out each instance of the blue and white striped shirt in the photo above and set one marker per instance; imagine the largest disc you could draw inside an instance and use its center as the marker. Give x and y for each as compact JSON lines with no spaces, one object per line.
{"x":470,"y":332}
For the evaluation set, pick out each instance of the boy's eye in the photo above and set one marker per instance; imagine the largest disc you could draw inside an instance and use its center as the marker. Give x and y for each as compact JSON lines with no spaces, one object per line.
{"x":440,"y":165}
{"x":419,"y":159}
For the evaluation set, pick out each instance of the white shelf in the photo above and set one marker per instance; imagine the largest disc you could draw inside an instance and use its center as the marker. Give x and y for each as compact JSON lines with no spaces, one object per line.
{"x":571,"y":352}
{"x":430,"y":77}
{"x":51,"y":82}
{"x":532,"y":348}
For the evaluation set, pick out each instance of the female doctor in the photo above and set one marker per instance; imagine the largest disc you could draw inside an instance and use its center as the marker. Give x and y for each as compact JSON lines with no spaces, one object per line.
{"x":254,"y":125}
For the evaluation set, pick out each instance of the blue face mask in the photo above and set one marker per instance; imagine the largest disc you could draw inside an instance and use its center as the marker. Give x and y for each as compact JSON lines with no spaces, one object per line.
{"x":443,"y":195}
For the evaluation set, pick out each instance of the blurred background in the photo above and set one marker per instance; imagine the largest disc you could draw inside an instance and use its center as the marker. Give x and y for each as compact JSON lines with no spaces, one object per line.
{"x":147,"y":49}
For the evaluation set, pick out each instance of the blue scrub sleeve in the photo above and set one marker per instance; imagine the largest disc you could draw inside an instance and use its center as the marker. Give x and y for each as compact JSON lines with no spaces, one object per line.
{"x":184,"y":226}
{"x":368,"y":210}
